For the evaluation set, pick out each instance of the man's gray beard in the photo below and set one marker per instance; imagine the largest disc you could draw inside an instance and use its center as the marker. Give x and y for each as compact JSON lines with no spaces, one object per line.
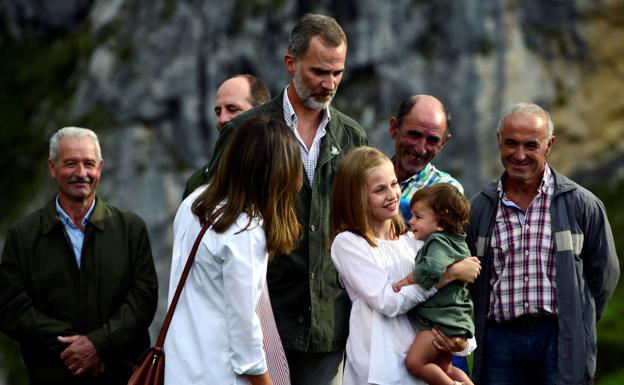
{"x":304,"y":94}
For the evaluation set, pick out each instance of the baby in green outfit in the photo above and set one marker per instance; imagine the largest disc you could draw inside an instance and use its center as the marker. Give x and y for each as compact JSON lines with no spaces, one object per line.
{"x":439,"y":213}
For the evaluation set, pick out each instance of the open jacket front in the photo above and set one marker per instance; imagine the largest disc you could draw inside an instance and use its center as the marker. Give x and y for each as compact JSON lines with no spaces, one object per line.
{"x":587,"y":271}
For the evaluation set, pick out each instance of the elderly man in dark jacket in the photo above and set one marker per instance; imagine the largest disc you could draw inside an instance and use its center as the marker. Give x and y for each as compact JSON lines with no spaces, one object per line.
{"x":78,"y":287}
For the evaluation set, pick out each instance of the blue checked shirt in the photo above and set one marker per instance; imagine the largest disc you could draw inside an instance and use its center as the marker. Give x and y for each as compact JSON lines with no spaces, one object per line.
{"x":426,"y":177}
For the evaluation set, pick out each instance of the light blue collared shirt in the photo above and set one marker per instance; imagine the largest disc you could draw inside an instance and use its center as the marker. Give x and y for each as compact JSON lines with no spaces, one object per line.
{"x":76,"y":236}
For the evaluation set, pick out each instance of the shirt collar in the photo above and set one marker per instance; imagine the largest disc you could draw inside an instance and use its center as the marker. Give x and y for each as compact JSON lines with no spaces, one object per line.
{"x":291,"y":117}
{"x":67,"y":220}
{"x":425,"y":171}
{"x":547,"y":181}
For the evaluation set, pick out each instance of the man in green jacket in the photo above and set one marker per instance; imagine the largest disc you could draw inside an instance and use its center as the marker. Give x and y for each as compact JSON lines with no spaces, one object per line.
{"x":311,"y":308}
{"x":78,"y":287}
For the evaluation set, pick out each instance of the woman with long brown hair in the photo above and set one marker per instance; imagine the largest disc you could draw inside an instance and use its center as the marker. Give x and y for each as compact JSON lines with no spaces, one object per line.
{"x":215,"y":335}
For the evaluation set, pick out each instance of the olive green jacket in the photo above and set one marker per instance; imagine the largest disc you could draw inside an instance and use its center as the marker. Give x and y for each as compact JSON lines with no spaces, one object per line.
{"x":310,"y":306}
{"x":111,"y":298}
{"x":450,"y":309}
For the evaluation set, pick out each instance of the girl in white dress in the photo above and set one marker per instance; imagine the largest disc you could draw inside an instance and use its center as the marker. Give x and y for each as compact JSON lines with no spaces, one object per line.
{"x":371,"y":249}
{"x":215,"y":335}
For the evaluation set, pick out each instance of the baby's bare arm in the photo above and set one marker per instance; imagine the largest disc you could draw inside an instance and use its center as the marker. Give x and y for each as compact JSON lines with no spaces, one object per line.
{"x":408,"y":280}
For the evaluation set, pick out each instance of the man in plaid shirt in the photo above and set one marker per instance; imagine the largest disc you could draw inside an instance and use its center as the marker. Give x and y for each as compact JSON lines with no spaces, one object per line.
{"x":548,"y":260}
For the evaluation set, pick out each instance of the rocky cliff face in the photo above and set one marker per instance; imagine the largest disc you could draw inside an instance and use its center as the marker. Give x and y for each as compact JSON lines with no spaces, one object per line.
{"x":143,"y":74}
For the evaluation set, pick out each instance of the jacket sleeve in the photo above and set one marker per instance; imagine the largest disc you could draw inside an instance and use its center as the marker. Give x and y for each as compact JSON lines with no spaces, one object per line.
{"x":433,"y":264}
{"x":19,"y":317}
{"x":136,"y":312}
{"x":366,"y":279}
{"x":600,"y":261}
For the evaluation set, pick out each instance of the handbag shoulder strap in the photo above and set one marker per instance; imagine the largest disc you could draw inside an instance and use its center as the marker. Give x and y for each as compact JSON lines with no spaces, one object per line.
{"x":187,"y":268}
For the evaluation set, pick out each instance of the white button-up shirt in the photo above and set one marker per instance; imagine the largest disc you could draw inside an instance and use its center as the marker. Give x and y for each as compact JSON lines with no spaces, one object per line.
{"x":380,"y":333}
{"x":215,"y":335}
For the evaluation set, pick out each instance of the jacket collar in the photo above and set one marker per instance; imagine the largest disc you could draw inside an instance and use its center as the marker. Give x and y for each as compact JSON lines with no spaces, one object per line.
{"x":100,"y":214}
{"x":50,"y":217}
{"x":562,"y":185}
{"x":332,"y":143}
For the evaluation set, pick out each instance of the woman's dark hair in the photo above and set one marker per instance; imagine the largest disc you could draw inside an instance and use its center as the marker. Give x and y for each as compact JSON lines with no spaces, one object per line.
{"x":260,"y":174}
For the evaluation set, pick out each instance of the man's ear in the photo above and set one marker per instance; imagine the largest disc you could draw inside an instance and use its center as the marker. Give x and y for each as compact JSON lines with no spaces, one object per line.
{"x":446,"y":138}
{"x":549,"y":145}
{"x":51,"y":168}
{"x":394,"y":127}
{"x":289,"y":63}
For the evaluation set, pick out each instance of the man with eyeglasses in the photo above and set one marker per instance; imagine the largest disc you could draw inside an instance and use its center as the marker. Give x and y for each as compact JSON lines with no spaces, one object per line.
{"x":420,"y":130}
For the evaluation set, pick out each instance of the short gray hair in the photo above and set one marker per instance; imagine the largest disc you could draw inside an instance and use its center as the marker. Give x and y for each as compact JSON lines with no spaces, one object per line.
{"x":527,"y":109}
{"x":73,"y":132}
{"x":311,"y":25}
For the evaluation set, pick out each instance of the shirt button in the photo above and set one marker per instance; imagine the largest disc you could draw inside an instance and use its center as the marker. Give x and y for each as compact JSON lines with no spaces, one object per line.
{"x":526,"y":252}
{"x":312,"y":275}
{"x":526,"y":227}
{"x":526,"y":278}
{"x":312,"y":228}
{"x":526,"y":305}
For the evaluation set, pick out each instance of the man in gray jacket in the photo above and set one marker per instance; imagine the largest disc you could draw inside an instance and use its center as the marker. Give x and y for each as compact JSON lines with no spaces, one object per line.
{"x":548,"y":261}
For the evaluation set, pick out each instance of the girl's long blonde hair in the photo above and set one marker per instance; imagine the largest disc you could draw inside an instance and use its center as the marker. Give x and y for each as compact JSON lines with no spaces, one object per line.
{"x":259,"y":173}
{"x":349,"y":205}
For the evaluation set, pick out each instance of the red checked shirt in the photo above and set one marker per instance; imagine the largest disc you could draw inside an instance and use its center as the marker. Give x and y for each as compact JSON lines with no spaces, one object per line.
{"x":523,"y":277}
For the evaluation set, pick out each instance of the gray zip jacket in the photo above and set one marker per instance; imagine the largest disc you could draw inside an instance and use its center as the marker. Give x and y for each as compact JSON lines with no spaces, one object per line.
{"x":587,"y":270}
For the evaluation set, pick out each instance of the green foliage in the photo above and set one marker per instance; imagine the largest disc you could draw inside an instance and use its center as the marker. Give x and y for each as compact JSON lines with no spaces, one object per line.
{"x":611,"y":325}
{"x":614,"y":378}
{"x":37,"y":77}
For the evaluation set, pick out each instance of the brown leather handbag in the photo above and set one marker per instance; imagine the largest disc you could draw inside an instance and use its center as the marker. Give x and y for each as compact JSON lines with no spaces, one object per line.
{"x":151,"y":367}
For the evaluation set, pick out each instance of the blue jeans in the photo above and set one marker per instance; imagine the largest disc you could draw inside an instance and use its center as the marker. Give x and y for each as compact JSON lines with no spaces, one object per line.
{"x":460,"y":362}
{"x":520,"y":355}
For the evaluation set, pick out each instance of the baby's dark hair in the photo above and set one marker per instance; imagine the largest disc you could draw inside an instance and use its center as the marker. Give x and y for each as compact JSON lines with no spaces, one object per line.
{"x":449,"y":205}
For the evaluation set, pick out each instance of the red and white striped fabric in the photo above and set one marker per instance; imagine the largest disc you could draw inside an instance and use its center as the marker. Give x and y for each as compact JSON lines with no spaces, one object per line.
{"x":273,"y":349}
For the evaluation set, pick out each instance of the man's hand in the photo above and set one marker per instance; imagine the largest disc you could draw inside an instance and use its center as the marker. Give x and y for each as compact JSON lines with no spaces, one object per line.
{"x":80,"y":356}
{"x":444,"y":343}
{"x":465,"y":270}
